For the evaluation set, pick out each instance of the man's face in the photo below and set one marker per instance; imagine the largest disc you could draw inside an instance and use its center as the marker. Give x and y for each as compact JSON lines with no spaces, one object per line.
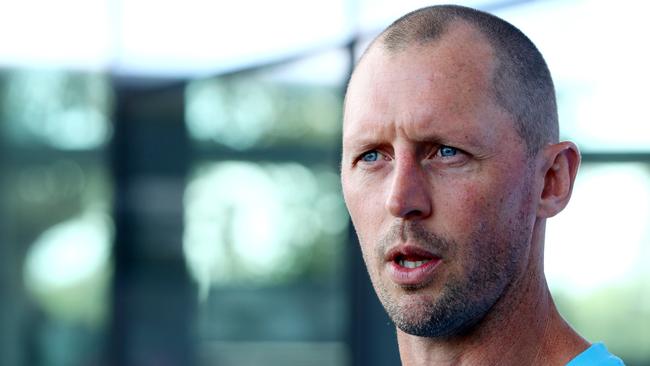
{"x":437,"y":183}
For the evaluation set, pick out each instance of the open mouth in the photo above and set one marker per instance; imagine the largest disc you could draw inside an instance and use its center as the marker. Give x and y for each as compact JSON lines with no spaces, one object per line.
{"x":411,"y":261}
{"x":411,"y":265}
{"x":410,"y":256}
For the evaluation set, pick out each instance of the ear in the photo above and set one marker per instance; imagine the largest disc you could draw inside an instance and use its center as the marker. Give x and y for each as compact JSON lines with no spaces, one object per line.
{"x":559,"y":169}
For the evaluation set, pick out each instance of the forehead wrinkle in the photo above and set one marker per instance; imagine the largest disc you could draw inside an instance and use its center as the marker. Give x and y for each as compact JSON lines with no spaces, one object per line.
{"x":422,"y":124}
{"x":366,"y":133}
{"x":462,"y":74}
{"x":426,"y":130}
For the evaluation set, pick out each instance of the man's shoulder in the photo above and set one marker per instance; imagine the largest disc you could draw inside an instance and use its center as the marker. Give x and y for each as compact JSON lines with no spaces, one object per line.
{"x":596,"y":355}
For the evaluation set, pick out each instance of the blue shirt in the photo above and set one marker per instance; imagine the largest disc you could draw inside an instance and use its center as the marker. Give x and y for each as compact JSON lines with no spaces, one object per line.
{"x":596,"y":355}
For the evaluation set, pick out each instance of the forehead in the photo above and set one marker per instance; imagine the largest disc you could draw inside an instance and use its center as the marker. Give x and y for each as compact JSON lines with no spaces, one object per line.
{"x":448,"y":80}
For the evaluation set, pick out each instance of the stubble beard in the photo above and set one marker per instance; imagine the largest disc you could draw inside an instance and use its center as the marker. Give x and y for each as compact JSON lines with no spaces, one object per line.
{"x":464,"y":299}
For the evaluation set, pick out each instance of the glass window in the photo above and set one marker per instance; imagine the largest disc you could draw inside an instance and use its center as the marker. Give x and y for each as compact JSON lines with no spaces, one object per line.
{"x":56,"y":229}
{"x":56,"y":109}
{"x":265,"y":224}
{"x":298,"y":104}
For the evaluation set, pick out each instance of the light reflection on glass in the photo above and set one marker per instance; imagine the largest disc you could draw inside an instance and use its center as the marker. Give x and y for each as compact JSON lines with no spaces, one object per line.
{"x":244,"y":113}
{"x":291,"y":104}
{"x":63,"y":110}
{"x":67,"y":268}
{"x":234,"y":114}
{"x":261,"y":223}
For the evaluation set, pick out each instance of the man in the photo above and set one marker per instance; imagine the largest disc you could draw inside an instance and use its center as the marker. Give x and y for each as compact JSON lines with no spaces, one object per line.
{"x":451,"y":165}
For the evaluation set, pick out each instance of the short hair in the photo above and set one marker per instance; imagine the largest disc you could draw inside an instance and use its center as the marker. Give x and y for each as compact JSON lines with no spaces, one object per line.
{"x":521,"y":81}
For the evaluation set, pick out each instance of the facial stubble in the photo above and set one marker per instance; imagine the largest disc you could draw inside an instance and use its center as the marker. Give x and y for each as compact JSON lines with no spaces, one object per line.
{"x":465,"y":297}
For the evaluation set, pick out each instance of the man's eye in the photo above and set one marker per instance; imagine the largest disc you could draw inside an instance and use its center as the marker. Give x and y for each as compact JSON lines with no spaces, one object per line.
{"x":447,"y":151}
{"x":370,"y":156}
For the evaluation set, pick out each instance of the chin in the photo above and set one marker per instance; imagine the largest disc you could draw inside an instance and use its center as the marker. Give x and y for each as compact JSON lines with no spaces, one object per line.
{"x":445,"y":315}
{"x":418,"y":320}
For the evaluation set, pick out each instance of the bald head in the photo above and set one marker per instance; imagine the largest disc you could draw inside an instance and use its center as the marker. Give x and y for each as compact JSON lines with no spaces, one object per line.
{"x":521,"y":83}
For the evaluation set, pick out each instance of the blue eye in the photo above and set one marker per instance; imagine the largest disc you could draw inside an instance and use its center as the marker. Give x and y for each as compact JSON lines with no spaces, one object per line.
{"x":447,"y":151}
{"x":370,"y":156}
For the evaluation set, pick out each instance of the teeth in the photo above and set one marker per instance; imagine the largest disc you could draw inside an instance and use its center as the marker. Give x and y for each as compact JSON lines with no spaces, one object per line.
{"x":411,"y":264}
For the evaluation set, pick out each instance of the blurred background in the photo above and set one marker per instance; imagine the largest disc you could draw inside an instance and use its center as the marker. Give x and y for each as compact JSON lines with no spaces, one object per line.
{"x":169,"y":191}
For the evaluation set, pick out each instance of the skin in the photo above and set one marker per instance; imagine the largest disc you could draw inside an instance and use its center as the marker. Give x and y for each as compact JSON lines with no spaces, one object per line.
{"x":430,"y":160}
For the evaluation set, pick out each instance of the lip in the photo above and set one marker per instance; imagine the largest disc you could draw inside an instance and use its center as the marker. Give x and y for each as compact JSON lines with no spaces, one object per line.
{"x":404,"y":276}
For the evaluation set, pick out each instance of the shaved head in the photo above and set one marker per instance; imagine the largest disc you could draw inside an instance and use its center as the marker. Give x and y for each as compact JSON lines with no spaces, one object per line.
{"x":521,"y":81}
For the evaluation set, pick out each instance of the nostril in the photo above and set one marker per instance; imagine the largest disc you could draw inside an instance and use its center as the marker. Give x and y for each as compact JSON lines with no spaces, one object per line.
{"x":411,"y":206}
{"x":413,"y":214}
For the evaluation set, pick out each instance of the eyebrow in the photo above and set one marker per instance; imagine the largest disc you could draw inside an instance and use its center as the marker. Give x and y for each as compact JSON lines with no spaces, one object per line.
{"x":366,"y":132}
{"x":365,"y":140}
{"x":358,"y":146}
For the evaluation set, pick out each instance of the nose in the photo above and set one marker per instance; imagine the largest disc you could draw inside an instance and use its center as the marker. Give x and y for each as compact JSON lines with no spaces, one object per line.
{"x":409,"y":196}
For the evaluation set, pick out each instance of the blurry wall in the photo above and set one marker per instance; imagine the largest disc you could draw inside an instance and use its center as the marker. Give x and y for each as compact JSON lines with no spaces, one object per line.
{"x":169,"y":188}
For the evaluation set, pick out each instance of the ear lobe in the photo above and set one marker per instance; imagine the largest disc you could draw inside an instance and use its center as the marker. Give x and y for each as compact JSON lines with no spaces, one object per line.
{"x":561,"y":163}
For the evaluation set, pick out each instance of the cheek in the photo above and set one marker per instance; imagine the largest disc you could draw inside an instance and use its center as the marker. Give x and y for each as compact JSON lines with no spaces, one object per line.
{"x":473,"y":203}
{"x":364,"y":205}
{"x":462,"y":202}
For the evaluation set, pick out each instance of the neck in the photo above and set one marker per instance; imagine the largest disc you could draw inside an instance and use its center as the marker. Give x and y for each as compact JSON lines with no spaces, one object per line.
{"x":522,"y":328}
